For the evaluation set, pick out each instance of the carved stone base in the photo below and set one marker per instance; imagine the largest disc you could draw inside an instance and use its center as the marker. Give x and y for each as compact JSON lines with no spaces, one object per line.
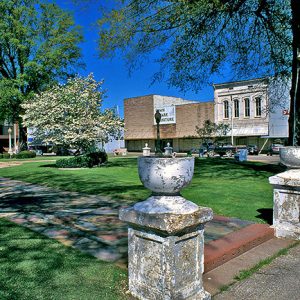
{"x":286,"y":214}
{"x":166,"y":249}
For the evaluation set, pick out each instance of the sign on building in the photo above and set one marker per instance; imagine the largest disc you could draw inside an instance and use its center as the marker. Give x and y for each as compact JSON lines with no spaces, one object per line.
{"x":168,"y":114}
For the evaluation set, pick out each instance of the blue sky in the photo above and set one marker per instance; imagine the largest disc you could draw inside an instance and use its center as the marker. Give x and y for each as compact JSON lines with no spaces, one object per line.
{"x":117,"y":82}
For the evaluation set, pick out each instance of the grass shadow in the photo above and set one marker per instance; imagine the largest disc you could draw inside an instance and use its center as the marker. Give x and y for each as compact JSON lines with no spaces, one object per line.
{"x":265,"y":214}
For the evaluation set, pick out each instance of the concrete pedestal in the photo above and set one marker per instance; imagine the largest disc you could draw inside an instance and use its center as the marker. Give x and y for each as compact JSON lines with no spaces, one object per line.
{"x":166,"y":248}
{"x":286,"y":214}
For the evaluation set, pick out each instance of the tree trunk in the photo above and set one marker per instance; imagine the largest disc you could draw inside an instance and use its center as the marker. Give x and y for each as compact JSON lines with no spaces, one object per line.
{"x":294,"y":119}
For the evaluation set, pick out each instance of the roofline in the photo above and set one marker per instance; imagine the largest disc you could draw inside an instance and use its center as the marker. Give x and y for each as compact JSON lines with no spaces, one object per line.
{"x":149,"y":95}
{"x":239,"y":81}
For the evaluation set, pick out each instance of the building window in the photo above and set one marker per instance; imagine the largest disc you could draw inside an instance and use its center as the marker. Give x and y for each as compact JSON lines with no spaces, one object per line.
{"x":258,"y":106}
{"x":226,"y":109}
{"x":247,"y":107}
{"x":236,"y":104}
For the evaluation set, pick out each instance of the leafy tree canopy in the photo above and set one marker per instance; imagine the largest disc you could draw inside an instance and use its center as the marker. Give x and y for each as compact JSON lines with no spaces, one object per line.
{"x":38,"y":46}
{"x":211,"y":132}
{"x":197,"y":39}
{"x":70,"y":115}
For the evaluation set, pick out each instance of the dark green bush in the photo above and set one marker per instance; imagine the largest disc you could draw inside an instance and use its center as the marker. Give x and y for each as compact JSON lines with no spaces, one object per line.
{"x":5,"y":155}
{"x":81,"y":161}
{"x":24,"y":154}
{"x":98,"y":157}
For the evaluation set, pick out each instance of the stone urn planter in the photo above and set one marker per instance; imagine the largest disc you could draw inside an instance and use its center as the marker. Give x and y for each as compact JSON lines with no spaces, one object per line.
{"x":166,"y":175}
{"x":290,"y":157}
{"x":166,"y":234}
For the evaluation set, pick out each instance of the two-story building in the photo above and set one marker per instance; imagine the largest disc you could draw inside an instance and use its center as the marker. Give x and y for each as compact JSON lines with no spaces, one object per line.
{"x":244,"y":105}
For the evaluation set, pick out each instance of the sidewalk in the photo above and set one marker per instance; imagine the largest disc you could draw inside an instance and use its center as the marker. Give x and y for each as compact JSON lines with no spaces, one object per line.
{"x":279,"y":280}
{"x":89,"y":223}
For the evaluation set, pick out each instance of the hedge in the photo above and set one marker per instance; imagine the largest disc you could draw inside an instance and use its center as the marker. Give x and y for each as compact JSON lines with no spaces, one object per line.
{"x":20,"y":155}
{"x":88,"y":160}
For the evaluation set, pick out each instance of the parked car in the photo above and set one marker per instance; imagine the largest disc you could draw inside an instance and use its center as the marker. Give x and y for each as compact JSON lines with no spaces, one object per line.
{"x":274,"y":149}
{"x":221,"y":149}
{"x":252,"y":150}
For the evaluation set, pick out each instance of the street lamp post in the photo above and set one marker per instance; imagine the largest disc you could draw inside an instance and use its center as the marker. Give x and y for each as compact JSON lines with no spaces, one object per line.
{"x":157,"y":117}
{"x":10,"y":152}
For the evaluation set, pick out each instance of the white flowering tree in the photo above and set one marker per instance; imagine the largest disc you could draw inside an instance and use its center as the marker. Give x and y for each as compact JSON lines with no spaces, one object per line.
{"x":70,"y":115}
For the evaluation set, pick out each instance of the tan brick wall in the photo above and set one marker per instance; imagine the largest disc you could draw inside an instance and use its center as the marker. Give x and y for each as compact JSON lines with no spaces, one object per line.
{"x":139,"y":123}
{"x":138,"y":117}
{"x":189,"y":116}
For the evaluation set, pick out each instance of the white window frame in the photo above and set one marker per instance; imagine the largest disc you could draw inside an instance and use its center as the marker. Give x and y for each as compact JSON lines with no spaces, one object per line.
{"x":226,"y":109}
{"x":236,"y":108}
{"x":247,"y":107}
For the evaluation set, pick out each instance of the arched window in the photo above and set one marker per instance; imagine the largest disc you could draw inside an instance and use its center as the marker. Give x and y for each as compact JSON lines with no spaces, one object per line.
{"x":258,"y":106}
{"x":226,"y":109}
{"x":247,"y":107}
{"x":236,"y":105}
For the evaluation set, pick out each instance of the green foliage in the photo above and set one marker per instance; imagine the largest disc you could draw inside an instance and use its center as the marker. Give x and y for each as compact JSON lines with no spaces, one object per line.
{"x":4,"y":155}
{"x":97,"y":158}
{"x":25,"y":154}
{"x":20,"y":155}
{"x":81,"y":161}
{"x":88,"y":160}
{"x":193,"y":40}
{"x":211,"y":132}
{"x":38,"y":46}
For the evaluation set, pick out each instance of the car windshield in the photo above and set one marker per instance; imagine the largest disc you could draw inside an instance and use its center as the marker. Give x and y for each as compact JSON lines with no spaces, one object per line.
{"x":277,"y":145}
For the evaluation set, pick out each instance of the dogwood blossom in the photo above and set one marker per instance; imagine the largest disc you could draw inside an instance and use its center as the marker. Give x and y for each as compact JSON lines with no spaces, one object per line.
{"x":70,"y":114}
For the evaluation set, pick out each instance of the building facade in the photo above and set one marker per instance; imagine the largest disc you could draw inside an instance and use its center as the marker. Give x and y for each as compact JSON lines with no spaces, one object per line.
{"x":178,"y":124}
{"x":244,"y":105}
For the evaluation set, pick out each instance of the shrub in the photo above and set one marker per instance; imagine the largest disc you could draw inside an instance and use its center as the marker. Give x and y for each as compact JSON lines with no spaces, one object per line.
{"x":81,"y":161}
{"x":25,"y":154}
{"x":5,"y":155}
{"x":98,"y":157}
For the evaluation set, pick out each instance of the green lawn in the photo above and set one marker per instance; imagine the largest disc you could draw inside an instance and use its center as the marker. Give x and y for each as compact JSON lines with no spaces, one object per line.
{"x":35,"y":267}
{"x":229,"y":188}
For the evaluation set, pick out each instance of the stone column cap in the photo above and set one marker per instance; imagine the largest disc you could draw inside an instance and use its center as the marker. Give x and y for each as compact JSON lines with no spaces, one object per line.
{"x":287,"y":178}
{"x":164,"y":218}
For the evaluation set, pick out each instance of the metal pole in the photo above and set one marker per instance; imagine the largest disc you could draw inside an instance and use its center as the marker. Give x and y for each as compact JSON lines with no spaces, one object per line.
{"x":231,"y":111}
{"x":15,"y":138}
{"x":9,"y":141}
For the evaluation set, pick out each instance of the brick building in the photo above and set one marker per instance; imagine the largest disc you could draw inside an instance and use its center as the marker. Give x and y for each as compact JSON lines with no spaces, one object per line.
{"x":179,"y":120}
{"x":244,"y":105}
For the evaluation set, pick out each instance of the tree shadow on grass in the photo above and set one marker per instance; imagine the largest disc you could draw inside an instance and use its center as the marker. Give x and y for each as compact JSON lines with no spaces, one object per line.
{"x":230,"y":169}
{"x":265,"y":214}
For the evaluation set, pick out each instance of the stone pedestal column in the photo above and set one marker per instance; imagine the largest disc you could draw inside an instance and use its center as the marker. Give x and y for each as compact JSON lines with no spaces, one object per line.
{"x":286,"y":215}
{"x":166,"y":248}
